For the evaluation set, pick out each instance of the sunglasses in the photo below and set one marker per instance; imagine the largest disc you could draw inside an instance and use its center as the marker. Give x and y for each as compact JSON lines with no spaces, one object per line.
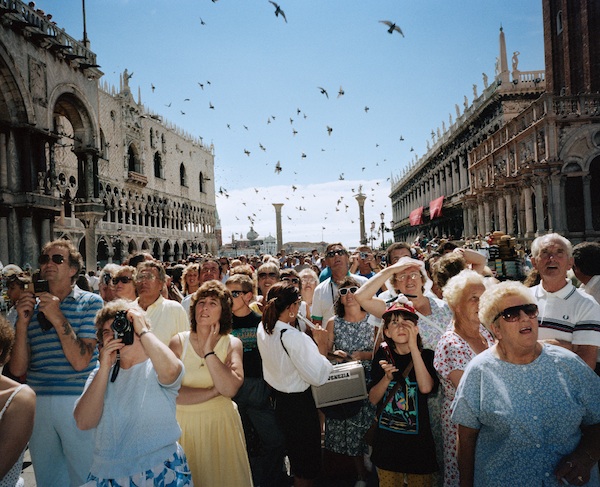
{"x":513,"y":313}
{"x":237,"y":294}
{"x":333,"y":253}
{"x":56,"y":258}
{"x":272,"y":275}
{"x":123,"y":279}
{"x":293,"y":280}
{"x":346,"y":290}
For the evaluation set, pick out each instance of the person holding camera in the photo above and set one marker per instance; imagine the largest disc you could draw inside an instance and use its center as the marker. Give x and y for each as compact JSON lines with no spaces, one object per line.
{"x":130,"y":400}
{"x":55,"y":345}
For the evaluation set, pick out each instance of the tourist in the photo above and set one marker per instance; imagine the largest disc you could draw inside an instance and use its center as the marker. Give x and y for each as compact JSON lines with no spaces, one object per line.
{"x":309,"y":280}
{"x":129,"y":402}
{"x":212,"y":433}
{"x":124,"y":283}
{"x":292,"y":362}
{"x":527,"y":412}
{"x":455,"y":349}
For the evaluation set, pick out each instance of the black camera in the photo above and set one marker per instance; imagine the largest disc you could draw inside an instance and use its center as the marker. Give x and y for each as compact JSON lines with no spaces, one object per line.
{"x":41,"y":286}
{"x":123,"y":328}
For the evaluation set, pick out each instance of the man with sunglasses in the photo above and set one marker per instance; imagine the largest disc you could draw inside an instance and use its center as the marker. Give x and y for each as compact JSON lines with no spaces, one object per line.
{"x":57,"y":352}
{"x":337,"y":259}
{"x":566,"y":317}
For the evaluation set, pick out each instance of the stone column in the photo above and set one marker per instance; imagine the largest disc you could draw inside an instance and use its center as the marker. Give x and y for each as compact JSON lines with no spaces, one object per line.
{"x":480,"y":219}
{"x":46,"y":235}
{"x":539,"y":206}
{"x":501,"y":214}
{"x":557,"y":199}
{"x":587,"y":204}
{"x":3,"y":166}
{"x":510,"y":227}
{"x":529,"y":230}
{"x":4,"y":253}
{"x":361,"y":198}
{"x":29,"y":254}
{"x":487,"y":227}
{"x":278,"y":207}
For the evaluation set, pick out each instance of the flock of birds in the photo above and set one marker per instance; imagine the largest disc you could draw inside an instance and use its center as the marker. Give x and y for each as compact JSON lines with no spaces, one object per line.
{"x":254,"y":208}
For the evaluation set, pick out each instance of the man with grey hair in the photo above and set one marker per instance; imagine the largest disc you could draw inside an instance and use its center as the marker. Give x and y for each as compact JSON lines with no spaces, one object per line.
{"x":167,"y":316}
{"x":566,"y":317}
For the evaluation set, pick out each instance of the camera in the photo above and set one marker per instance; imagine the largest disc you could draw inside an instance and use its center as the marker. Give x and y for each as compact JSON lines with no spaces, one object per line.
{"x":41,"y":286}
{"x":363,"y":255}
{"x":123,"y":328}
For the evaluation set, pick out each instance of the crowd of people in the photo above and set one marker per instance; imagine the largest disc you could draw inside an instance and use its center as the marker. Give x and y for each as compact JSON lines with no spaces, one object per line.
{"x":201,"y":372}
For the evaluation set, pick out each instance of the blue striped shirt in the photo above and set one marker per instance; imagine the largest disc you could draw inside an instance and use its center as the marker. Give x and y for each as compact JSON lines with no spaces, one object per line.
{"x":50,"y":373}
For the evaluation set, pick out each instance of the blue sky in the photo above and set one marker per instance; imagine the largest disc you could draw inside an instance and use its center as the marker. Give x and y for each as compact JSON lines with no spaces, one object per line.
{"x":262,"y":70}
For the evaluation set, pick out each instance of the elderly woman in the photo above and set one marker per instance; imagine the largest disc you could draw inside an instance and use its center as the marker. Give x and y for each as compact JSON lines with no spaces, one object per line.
{"x":527,"y":412}
{"x":17,"y":410}
{"x":310,"y":280}
{"x":455,"y":350}
{"x":130,"y":400}
{"x":352,"y":336}
{"x":123,"y":281}
{"x":209,"y":419}
{"x":292,"y":362}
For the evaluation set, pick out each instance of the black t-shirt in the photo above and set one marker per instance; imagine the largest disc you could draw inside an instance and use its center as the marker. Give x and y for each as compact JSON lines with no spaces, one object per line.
{"x":244,"y":328}
{"x":403,"y":440}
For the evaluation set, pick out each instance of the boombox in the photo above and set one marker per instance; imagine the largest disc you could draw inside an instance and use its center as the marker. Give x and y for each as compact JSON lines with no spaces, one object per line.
{"x":345,"y":384}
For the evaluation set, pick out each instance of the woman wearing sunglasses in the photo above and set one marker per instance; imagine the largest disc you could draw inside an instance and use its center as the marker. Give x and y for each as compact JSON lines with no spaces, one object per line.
{"x":124,"y":284}
{"x":351,"y":336}
{"x":267,"y":275}
{"x":527,"y":412}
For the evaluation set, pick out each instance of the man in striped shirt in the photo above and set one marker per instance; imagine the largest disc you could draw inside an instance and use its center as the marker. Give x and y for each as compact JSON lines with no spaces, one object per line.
{"x":55,"y":345}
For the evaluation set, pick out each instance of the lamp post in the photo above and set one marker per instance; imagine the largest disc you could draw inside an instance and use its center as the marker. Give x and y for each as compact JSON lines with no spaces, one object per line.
{"x":383,"y":229}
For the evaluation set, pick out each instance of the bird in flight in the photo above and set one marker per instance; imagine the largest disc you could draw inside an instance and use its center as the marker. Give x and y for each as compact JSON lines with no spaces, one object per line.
{"x":153,"y":87}
{"x":329,"y":130}
{"x":341,"y":92}
{"x":278,"y":167}
{"x":202,"y":21}
{"x":278,"y":10}
{"x":323,"y":91}
{"x":366,"y":109}
{"x":247,"y":152}
{"x":341,"y":178}
{"x":392,"y":27}
{"x":211,"y":106}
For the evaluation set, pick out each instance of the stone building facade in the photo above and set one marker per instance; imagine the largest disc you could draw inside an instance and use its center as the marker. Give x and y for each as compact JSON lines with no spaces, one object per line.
{"x":84,"y":161}
{"x":524,"y":157}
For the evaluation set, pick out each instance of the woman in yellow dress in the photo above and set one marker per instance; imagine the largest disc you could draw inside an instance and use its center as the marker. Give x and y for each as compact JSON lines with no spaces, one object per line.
{"x":212,"y":433}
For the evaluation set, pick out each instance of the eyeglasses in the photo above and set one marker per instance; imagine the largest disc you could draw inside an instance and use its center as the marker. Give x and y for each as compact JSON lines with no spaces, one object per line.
{"x":56,"y":258}
{"x":333,"y":253}
{"x":513,"y":313}
{"x":412,"y":276}
{"x":237,"y":294}
{"x":346,"y":290}
{"x":123,"y":279}
{"x":293,"y":280}
{"x":145,"y":277}
{"x":272,"y":275}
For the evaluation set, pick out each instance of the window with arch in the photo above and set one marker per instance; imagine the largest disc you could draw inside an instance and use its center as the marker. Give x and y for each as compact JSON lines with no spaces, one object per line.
{"x":182,"y":176}
{"x":559,"y":22}
{"x":133,"y":163}
{"x":158,"y":166}
{"x":201,"y":182}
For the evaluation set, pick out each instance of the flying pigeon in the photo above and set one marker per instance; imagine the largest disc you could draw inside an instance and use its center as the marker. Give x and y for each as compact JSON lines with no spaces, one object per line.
{"x":392,"y":27}
{"x":278,"y":10}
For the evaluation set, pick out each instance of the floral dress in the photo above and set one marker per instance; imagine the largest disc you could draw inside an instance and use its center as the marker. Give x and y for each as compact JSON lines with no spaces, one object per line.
{"x":345,"y":436}
{"x":452,"y":353}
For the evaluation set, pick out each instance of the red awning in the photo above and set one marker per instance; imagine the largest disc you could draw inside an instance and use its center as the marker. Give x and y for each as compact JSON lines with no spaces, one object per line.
{"x":416,"y":216}
{"x":435,"y":207}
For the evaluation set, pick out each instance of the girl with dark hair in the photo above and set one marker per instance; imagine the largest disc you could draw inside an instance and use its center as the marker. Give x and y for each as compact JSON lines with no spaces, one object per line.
{"x":402,"y":377}
{"x":292,"y":362}
{"x":209,"y":419}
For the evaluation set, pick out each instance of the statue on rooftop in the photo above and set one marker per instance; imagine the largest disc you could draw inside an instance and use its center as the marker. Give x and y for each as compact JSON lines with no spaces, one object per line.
{"x":515,"y":60}
{"x":485,"y":80}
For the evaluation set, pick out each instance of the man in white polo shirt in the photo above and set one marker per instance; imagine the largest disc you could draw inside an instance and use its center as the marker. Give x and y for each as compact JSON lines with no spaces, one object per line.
{"x":566,"y":317}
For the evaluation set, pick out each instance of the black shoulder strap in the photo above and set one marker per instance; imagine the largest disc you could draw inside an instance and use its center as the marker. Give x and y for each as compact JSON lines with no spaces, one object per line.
{"x":281,"y":340}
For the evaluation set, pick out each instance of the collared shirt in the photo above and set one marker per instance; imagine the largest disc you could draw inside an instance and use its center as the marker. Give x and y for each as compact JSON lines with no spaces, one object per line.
{"x":325,"y":296}
{"x":50,"y":373}
{"x":167,"y":318}
{"x":295,"y":368}
{"x":568,"y":315}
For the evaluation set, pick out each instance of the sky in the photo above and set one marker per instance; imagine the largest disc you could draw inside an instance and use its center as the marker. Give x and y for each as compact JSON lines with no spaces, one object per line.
{"x":263,"y":77}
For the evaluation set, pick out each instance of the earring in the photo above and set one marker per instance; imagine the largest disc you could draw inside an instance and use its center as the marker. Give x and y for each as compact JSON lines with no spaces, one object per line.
{"x":291,"y":315}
